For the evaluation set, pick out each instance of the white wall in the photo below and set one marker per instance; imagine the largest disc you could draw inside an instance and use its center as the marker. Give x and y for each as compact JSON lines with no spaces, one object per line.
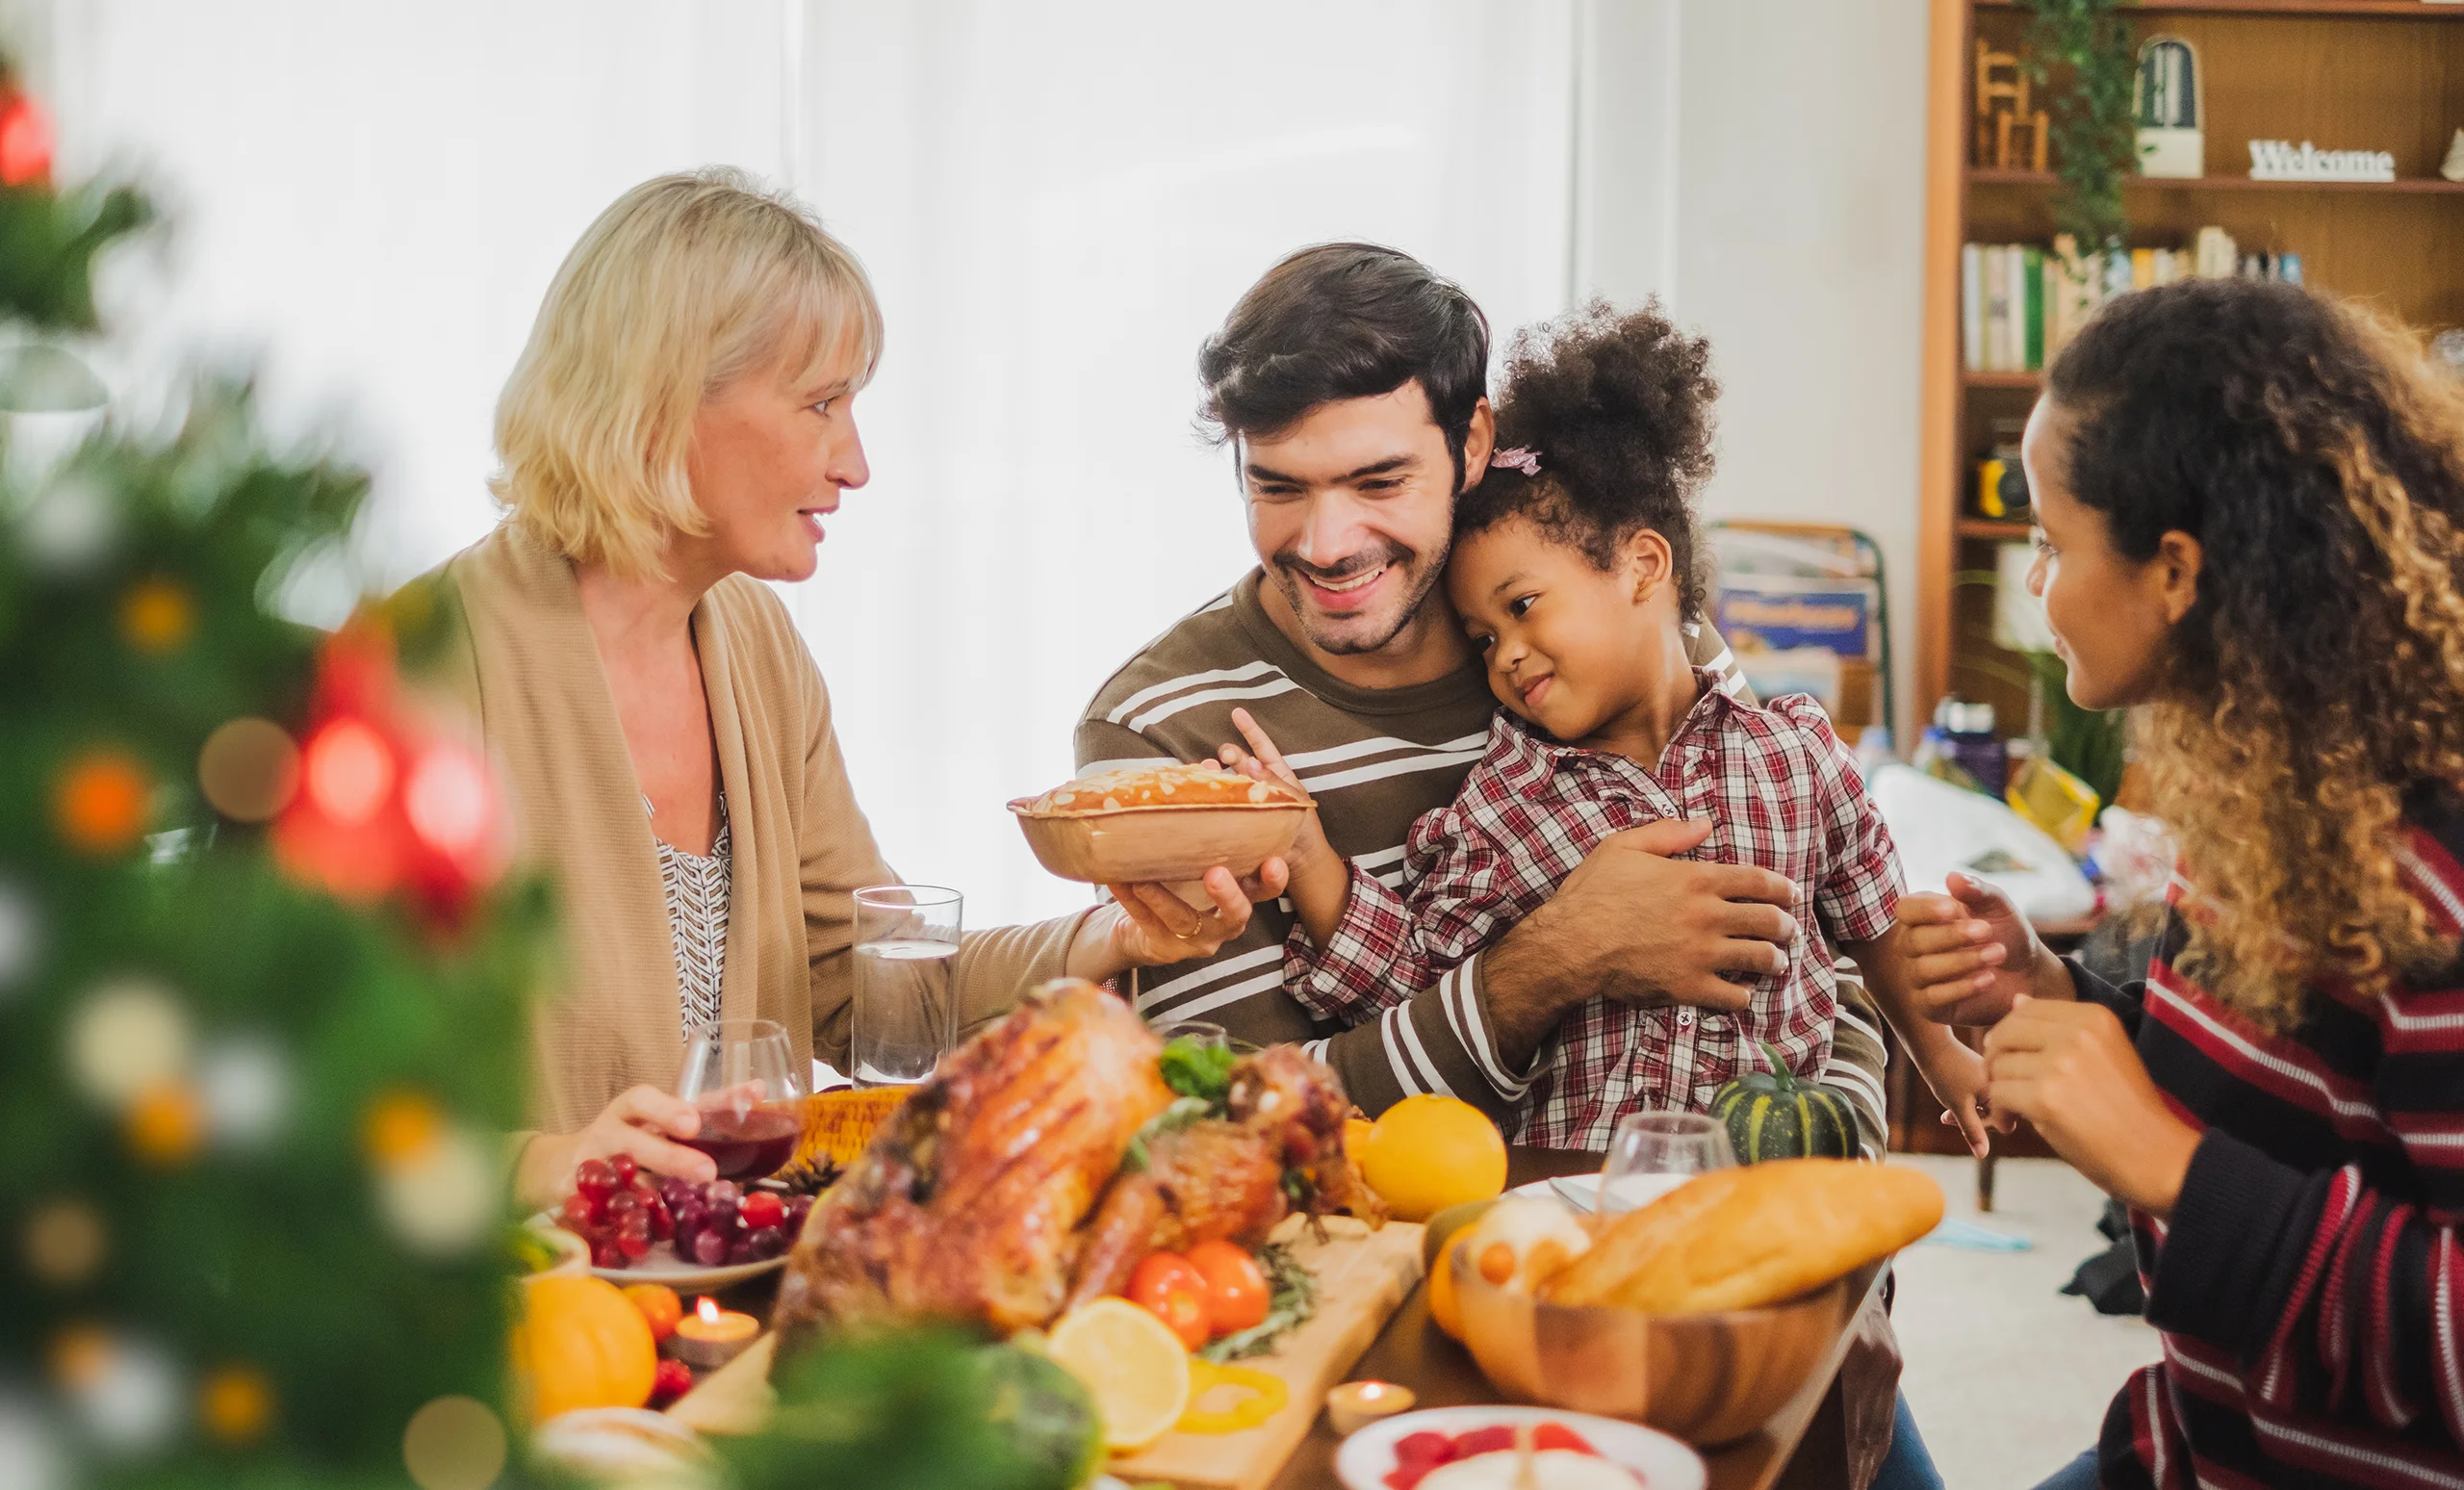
{"x":1781,"y":217}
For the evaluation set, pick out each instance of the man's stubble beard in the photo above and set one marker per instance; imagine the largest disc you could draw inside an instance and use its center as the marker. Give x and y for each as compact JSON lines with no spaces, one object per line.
{"x":1424,"y":581}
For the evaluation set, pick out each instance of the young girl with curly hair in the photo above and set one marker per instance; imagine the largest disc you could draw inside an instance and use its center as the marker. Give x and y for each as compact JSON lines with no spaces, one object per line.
{"x":2248,"y":501}
{"x":1575,"y":570}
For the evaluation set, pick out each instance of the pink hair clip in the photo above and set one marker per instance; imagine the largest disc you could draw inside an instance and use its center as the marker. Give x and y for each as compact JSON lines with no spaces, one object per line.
{"x":1517,"y":459}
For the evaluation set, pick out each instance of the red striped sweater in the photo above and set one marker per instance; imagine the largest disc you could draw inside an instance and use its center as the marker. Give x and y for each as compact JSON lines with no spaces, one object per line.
{"x":2310,"y":1286}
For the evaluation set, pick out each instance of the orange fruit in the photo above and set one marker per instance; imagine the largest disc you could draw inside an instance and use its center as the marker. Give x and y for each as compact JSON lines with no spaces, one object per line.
{"x":580,"y":1344}
{"x":1430,"y":1153}
{"x":659,"y":1307}
{"x":1445,"y":1308}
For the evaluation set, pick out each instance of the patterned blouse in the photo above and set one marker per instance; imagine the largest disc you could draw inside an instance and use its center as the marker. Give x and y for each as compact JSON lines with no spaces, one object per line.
{"x":696,"y":886}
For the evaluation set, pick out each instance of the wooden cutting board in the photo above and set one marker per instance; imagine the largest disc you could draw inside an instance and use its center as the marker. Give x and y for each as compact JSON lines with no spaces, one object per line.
{"x":1362,"y":1278}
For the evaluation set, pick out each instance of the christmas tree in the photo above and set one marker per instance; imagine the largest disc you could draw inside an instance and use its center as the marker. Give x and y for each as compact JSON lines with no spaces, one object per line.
{"x":262,"y":991}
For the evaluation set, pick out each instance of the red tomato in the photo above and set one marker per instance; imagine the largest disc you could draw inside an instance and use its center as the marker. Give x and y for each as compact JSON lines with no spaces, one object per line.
{"x":1165,"y":1286}
{"x":1239,"y":1285}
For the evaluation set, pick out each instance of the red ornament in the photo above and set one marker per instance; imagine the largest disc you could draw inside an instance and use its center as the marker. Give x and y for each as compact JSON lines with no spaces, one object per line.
{"x":387,"y":803}
{"x":25,"y":142}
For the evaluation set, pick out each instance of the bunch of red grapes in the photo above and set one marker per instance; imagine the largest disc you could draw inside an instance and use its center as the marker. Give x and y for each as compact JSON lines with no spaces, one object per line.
{"x":619,"y":1211}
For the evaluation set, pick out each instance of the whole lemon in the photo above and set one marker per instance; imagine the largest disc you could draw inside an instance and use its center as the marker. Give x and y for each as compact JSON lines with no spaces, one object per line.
{"x":1428,"y":1152}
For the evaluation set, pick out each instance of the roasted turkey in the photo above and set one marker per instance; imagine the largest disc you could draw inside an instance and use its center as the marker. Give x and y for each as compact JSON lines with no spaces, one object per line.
{"x":998,"y":1193}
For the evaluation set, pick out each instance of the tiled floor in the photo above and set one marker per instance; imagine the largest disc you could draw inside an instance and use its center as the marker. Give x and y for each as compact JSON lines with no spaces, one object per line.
{"x":2007,"y":1377}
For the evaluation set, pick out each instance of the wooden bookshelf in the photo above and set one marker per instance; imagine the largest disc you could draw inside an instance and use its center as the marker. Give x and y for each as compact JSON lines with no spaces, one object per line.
{"x":2346,"y":74}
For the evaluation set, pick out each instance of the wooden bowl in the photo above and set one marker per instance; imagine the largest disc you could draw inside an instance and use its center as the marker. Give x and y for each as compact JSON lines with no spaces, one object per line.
{"x":1708,"y":1378}
{"x":1162,"y":844}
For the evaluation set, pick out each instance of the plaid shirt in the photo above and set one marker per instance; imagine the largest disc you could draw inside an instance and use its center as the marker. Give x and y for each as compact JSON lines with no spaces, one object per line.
{"x":1783,"y":793}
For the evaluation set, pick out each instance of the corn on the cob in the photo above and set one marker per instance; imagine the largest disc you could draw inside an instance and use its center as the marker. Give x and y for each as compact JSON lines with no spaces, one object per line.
{"x":838,"y":1125}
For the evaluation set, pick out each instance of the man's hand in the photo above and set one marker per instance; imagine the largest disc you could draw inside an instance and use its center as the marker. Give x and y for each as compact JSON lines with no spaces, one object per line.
{"x":1646,"y":928}
{"x":1635,"y":924}
{"x":2070,"y":1068}
{"x":1970,"y":953}
{"x":1151,"y":925}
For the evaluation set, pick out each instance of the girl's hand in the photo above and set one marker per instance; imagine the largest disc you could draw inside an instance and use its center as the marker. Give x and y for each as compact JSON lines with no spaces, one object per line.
{"x":1310,"y":852}
{"x":1321,"y":877}
{"x":1155,"y":926}
{"x":640,"y":1121}
{"x":1971,"y":954}
{"x":1957,"y":1076}
{"x":2068,"y":1067}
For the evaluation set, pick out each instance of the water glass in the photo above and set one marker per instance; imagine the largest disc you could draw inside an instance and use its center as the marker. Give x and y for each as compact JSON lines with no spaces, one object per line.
{"x":906,"y":948}
{"x":1206,"y":1032}
{"x":1652,"y":1153}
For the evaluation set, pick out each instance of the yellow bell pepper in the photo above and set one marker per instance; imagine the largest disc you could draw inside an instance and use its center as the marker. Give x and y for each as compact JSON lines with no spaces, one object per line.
{"x":1267,"y":1397}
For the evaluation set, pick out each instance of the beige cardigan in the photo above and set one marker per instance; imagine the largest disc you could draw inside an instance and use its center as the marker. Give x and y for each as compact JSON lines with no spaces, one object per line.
{"x":528,"y":668}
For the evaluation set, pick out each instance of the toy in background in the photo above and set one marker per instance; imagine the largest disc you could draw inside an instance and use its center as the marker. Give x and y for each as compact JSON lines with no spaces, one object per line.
{"x":1962,"y":747}
{"x":2002,"y":111}
{"x":2001,"y":482}
{"x":2169,"y":104}
{"x":2134,"y":858}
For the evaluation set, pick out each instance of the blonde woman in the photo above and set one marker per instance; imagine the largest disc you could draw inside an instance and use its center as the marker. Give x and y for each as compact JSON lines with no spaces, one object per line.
{"x":676,"y":431}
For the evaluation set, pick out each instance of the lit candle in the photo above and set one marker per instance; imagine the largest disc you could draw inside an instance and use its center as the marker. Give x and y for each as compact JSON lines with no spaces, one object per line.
{"x":711,"y":1336}
{"x":1357,"y":1405}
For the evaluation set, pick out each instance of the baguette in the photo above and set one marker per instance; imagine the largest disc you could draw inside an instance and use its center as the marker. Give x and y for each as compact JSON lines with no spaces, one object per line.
{"x":1741,"y":1238}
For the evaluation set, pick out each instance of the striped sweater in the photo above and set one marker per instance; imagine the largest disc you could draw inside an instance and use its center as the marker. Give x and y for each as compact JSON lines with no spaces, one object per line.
{"x":1376,"y":760}
{"x":2309,"y":1286}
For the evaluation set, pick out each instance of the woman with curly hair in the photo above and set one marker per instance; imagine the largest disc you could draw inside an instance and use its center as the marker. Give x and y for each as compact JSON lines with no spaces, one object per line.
{"x":2248,"y":501}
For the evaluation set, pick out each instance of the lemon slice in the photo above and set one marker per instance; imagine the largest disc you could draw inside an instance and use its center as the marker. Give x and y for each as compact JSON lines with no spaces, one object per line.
{"x":1131,"y":1363}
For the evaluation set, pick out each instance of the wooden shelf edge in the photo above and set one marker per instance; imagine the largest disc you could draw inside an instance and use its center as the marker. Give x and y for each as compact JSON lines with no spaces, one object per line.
{"x":2404,"y":186}
{"x":2002,"y":380}
{"x":2308,"y":10}
{"x":1988,"y":527}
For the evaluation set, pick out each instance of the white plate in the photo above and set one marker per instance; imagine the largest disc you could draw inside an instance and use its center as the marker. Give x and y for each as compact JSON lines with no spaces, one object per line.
{"x":1582,"y":1191}
{"x":661,"y":1264}
{"x":1664,"y":1463}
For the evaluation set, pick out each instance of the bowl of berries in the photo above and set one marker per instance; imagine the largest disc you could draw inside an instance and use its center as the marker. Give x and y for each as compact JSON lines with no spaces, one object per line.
{"x":642,"y":1228}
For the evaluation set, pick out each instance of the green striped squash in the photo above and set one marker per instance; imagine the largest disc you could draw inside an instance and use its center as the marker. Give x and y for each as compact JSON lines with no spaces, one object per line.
{"x":1771,"y":1115}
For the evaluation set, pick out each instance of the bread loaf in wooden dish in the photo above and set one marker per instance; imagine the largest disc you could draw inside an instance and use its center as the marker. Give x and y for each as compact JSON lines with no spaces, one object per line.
{"x":1169,"y":784}
{"x":1170,"y":822}
{"x":1743,"y":1238}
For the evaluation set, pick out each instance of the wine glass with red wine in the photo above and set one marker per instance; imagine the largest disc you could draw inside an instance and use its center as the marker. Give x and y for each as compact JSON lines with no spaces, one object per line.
{"x":741,"y":1074}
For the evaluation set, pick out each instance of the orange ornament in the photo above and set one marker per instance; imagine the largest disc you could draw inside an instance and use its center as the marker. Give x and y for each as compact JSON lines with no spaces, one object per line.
{"x":157,"y":616}
{"x":102,"y":801}
{"x":236,"y":1404}
{"x":581,"y":1344}
{"x":165,"y":1124}
{"x":400,"y":1129}
{"x":660,"y":1307}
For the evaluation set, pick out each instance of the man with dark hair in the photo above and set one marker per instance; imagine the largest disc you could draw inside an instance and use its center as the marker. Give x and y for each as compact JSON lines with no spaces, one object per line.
{"x":1350,"y":385}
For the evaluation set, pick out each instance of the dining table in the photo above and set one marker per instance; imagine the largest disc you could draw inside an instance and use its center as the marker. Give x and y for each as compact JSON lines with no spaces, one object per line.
{"x":1803,"y":1447}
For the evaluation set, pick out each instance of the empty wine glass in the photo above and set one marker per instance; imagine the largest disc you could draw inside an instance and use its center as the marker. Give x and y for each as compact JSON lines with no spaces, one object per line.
{"x":741,"y":1075}
{"x":1652,"y":1153}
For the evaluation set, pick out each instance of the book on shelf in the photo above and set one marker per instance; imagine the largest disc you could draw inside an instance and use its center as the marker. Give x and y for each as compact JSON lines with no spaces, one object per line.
{"x":2021,"y":303}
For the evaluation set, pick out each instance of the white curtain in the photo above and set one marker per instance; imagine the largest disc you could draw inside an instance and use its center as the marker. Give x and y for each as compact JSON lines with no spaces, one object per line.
{"x":1057,"y":202}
